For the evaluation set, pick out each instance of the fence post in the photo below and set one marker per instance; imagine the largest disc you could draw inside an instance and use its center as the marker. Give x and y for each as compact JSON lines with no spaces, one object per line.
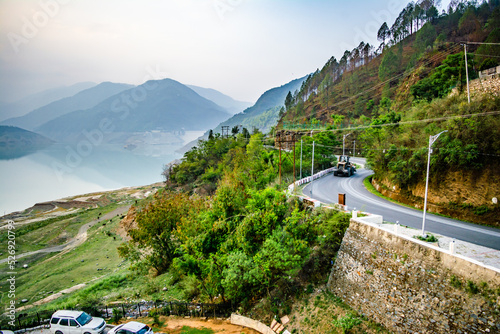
{"x":107,"y":316}
{"x":139,"y":308}
{"x":123,"y":309}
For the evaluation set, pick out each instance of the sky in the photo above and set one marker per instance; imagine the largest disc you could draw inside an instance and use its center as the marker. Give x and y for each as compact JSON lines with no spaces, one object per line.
{"x":239,"y":47}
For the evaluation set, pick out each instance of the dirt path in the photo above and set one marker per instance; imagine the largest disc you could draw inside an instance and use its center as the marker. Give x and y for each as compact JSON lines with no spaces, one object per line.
{"x":80,"y":237}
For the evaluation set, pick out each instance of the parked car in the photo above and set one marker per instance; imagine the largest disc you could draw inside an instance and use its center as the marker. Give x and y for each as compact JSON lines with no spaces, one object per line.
{"x":132,"y":327}
{"x":76,"y":322}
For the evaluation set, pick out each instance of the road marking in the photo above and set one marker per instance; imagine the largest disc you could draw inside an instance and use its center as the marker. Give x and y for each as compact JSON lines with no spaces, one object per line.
{"x":411,"y":212}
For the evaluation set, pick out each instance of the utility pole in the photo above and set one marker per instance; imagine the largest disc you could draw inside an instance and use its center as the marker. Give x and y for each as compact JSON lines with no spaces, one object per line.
{"x":467,"y":73}
{"x":312,"y":171}
{"x":294,"y":162}
{"x":432,"y":139}
{"x":343,"y":143}
{"x":280,"y":160}
{"x":301,"y":158}
{"x":354,"y":148}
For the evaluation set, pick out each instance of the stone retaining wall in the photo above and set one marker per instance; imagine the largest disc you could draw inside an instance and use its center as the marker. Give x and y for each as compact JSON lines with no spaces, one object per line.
{"x":411,"y":287}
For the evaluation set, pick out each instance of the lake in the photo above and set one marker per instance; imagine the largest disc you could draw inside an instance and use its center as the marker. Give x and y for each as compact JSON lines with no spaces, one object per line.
{"x":63,"y":170}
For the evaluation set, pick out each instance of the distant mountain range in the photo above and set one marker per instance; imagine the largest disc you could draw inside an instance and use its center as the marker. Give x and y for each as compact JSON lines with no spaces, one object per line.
{"x":227,"y":102}
{"x":34,"y":101}
{"x":122,"y":111}
{"x":164,"y":105}
{"x":263,"y":115}
{"x":16,"y":142}
{"x":85,"y":99}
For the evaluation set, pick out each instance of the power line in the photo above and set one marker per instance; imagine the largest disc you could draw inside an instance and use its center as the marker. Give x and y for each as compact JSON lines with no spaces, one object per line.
{"x":480,"y":43}
{"x":438,"y":55}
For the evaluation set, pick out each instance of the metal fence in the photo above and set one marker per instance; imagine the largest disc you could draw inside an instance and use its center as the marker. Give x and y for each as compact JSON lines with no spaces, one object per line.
{"x":24,"y":320}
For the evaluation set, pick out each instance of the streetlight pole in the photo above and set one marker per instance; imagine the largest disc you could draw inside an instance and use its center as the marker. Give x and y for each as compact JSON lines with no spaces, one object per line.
{"x":343,"y":143}
{"x":301,"y":159}
{"x":467,"y":73}
{"x":312,"y":171}
{"x":432,"y":139}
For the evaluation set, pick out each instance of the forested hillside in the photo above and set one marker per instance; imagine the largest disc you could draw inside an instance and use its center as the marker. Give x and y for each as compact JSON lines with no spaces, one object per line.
{"x":415,"y":85}
{"x":245,"y":241}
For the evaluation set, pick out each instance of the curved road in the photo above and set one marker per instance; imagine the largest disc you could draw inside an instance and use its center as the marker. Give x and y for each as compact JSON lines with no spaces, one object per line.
{"x":328,"y":187}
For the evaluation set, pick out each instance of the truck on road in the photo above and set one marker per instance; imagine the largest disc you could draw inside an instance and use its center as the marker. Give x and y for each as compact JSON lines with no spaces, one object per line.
{"x":344,"y":167}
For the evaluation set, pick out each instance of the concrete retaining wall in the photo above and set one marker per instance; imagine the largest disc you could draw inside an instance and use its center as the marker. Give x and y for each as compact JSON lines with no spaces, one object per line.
{"x":250,"y":323}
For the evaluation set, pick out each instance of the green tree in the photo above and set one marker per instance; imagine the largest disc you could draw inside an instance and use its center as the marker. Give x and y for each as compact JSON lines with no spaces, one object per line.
{"x":389,"y":66}
{"x":383,"y":33}
{"x":425,"y":37}
{"x":448,"y":75}
{"x":156,"y":227}
{"x":288,"y":101}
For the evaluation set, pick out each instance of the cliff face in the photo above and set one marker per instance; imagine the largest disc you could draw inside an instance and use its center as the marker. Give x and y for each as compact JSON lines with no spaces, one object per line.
{"x":466,"y":195}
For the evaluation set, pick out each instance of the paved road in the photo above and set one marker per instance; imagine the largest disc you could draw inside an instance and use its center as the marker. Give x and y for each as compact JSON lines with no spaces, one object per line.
{"x":327,"y":189}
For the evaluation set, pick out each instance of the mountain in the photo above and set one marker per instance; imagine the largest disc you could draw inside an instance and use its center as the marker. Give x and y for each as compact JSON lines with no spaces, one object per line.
{"x":164,"y":105}
{"x":34,"y":101}
{"x":390,"y":101}
{"x":227,"y":102}
{"x":16,"y":142}
{"x":263,"y":115}
{"x":83,"y":100}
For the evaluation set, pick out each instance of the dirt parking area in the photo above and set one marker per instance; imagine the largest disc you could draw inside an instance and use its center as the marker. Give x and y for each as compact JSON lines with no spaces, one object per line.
{"x":174,"y":325}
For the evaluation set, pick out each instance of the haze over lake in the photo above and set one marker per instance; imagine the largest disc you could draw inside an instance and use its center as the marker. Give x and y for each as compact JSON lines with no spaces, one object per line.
{"x":52,"y":173}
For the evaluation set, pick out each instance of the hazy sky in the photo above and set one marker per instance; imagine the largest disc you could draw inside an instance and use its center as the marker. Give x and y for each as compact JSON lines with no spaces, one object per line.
{"x":239,"y":47}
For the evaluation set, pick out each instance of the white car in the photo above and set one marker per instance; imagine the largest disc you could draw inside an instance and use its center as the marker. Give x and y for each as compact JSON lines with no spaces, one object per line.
{"x":132,"y":327}
{"x":75,"y":322}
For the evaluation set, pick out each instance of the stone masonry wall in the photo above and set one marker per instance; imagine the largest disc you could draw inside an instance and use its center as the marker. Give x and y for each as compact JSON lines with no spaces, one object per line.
{"x":413,"y":288}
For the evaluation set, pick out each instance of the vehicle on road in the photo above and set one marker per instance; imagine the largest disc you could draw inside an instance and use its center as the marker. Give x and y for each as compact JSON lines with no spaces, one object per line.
{"x":75,"y":322}
{"x":344,"y":167}
{"x":132,"y":327}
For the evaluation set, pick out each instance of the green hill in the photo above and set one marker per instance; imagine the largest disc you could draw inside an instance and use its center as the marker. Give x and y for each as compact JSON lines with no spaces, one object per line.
{"x":413,"y":87}
{"x":164,"y":105}
{"x":16,"y":142}
{"x":85,"y":99}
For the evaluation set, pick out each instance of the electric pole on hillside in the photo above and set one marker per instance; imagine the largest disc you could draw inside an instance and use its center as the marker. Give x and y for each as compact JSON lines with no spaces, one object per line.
{"x":284,"y":141}
{"x":225,"y":129}
{"x":467,"y":73}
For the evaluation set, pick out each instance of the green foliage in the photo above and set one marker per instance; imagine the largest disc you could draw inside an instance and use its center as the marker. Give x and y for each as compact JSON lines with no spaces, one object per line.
{"x":427,"y":238}
{"x":455,"y":282}
{"x":399,"y":152}
{"x":425,"y":37}
{"x":347,"y":322}
{"x":471,"y":287}
{"x":389,"y":66}
{"x":245,"y":238}
{"x":488,"y":54}
{"x":445,"y":77}
{"x":189,"y":330}
{"x":117,"y":315}
{"x":324,"y":143}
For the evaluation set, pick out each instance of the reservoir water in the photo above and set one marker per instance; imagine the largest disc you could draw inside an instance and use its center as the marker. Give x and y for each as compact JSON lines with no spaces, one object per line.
{"x":59,"y":171}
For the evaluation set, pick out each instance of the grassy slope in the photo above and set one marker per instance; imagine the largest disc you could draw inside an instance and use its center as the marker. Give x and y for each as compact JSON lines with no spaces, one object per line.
{"x":49,"y":273}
